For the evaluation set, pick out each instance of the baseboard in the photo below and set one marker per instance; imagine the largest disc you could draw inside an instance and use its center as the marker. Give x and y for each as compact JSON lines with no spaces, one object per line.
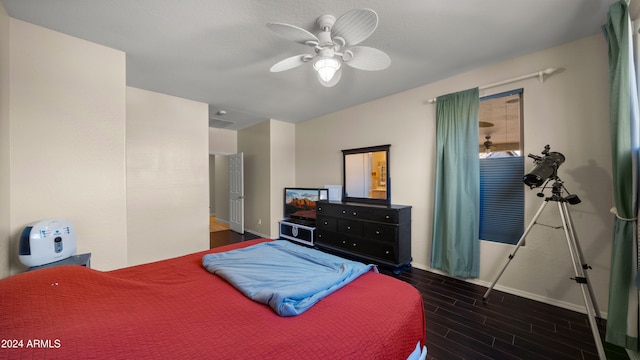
{"x":257,"y":233}
{"x":524,"y":294}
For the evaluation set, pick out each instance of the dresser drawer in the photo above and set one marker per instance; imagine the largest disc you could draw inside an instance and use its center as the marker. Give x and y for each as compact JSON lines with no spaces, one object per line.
{"x":371,"y":214}
{"x":338,"y":241}
{"x":381,"y":251}
{"x":376,"y":233}
{"x":381,"y":232}
{"x":327,"y":223}
{"x":296,"y":232}
{"x":328,"y":238}
{"x":329,"y":209}
{"x":350,"y":227}
{"x":342,"y":210}
{"x":385,"y":215}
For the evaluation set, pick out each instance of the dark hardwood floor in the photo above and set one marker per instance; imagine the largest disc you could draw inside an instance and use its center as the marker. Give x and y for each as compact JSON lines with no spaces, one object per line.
{"x":226,"y":237}
{"x":461,"y":326}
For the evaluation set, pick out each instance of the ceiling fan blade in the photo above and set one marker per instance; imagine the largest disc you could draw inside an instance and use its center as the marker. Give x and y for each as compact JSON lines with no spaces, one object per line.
{"x":367,"y":58}
{"x":291,"y":62}
{"x":334,"y":80}
{"x":293,"y":33}
{"x":355,"y":25}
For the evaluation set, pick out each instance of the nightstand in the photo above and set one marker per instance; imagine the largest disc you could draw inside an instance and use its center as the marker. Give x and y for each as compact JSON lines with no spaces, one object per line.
{"x":82,"y":260}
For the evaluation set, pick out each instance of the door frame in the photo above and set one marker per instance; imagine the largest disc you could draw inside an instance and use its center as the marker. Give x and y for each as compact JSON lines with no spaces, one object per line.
{"x":236,"y":192}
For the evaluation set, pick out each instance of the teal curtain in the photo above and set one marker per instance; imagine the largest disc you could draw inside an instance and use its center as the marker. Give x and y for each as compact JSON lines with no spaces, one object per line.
{"x":622,"y":322}
{"x":456,"y":245}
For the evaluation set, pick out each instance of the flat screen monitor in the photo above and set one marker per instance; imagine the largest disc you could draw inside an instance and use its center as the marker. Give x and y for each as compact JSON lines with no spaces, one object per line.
{"x":300,"y":203}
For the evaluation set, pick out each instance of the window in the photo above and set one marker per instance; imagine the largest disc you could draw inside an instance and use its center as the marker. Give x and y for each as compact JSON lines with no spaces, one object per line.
{"x":501,"y":167}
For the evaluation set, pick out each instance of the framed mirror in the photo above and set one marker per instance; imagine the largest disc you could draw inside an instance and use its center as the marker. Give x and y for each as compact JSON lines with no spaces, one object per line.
{"x":366,"y":175}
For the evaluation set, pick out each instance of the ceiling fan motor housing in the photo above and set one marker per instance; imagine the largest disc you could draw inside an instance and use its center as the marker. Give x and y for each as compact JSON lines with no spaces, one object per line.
{"x":325,"y":39}
{"x":325,"y":22}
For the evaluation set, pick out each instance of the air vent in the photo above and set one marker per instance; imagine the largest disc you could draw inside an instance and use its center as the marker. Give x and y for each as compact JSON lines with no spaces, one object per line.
{"x":220,"y":124}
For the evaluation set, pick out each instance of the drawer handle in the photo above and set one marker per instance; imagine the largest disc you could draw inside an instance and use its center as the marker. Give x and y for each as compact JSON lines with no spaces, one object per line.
{"x":355,"y":213}
{"x":344,"y":211}
{"x":319,"y":208}
{"x":326,"y":223}
{"x":354,"y":244}
{"x":348,"y":227}
{"x":319,"y":236}
{"x":344,"y":241}
{"x":387,"y":252}
{"x":387,"y":217}
{"x":377,"y":232}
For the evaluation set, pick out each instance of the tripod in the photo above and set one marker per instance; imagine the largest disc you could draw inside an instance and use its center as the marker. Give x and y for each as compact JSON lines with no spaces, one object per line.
{"x":577,"y":257}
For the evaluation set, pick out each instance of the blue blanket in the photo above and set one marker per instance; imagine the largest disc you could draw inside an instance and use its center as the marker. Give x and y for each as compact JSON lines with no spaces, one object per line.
{"x":288,"y":277}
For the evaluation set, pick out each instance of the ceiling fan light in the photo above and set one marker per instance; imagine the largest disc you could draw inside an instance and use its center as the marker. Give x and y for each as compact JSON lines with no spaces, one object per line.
{"x":326,"y":68}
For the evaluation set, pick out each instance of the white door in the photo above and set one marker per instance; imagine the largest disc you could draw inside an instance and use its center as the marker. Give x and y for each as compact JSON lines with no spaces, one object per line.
{"x":236,"y":193}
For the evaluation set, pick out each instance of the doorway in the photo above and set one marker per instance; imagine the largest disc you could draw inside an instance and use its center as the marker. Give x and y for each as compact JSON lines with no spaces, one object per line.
{"x":219,"y":187}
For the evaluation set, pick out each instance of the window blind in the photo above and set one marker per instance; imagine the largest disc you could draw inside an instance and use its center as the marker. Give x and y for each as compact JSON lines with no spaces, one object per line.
{"x":502,"y":199}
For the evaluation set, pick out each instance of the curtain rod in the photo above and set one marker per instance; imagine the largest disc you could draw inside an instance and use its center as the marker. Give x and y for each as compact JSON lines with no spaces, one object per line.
{"x":539,"y":74}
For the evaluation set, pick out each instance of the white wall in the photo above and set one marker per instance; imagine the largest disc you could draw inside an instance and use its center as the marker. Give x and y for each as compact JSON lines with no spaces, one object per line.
{"x":5,"y":148}
{"x":67,"y":139}
{"x":569,"y":111}
{"x":167,"y":176}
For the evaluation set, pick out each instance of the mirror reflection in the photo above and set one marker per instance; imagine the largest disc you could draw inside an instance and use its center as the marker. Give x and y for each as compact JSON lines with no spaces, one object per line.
{"x":366,"y":175}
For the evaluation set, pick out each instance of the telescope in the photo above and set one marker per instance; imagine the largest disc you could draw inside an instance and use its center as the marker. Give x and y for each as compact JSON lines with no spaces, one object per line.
{"x":546,"y":168}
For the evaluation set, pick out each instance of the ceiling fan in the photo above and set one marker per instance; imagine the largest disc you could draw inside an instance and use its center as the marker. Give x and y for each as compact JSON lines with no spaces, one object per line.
{"x":488,"y":144}
{"x":334,"y":45}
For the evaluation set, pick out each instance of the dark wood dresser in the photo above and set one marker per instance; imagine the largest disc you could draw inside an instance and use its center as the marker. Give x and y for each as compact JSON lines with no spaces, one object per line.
{"x":380,"y":234}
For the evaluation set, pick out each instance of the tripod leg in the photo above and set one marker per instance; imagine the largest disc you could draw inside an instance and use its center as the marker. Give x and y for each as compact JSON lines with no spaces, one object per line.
{"x":581,"y":278}
{"x":513,"y":254}
{"x":581,"y":257}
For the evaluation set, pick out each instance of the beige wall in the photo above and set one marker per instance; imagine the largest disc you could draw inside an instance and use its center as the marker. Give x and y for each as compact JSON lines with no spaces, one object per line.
{"x":167,"y":176}
{"x":268,"y":149}
{"x":569,"y":111}
{"x":254,"y":143}
{"x":67,"y":140}
{"x":5,"y":214}
{"x":634,"y":10}
{"x":222,"y":141}
{"x":77,"y":144}
{"x":282,"y":169}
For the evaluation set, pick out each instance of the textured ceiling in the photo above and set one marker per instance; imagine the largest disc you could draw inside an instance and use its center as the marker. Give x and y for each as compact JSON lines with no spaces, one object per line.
{"x":220,"y":52}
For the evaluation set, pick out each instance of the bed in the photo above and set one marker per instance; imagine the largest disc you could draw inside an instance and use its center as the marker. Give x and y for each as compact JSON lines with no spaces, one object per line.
{"x":176,"y":309}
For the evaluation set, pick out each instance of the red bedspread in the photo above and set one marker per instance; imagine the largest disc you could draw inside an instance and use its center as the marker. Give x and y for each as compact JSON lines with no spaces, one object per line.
{"x":175,"y":309}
